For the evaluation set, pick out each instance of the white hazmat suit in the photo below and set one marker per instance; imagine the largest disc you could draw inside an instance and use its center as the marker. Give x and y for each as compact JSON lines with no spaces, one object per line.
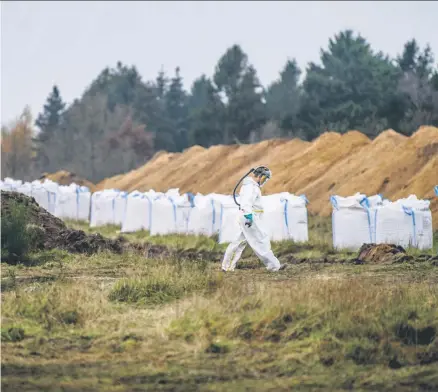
{"x":255,"y":236}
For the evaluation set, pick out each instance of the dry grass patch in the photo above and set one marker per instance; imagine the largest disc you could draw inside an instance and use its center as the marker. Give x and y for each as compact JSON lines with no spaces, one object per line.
{"x":166,"y":282}
{"x":333,"y":321}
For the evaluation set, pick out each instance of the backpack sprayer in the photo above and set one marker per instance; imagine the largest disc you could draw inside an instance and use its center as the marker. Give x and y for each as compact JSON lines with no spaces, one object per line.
{"x":259,"y":172}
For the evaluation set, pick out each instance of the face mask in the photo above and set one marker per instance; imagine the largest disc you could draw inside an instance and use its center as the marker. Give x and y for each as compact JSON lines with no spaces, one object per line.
{"x":263,"y":180}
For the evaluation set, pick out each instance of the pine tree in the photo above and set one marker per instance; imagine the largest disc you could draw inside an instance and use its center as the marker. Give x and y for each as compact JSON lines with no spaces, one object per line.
{"x":49,"y":123}
{"x":177,"y":111}
{"x":283,"y":98}
{"x":352,"y":89}
{"x":205,"y":114}
{"x":237,"y":82}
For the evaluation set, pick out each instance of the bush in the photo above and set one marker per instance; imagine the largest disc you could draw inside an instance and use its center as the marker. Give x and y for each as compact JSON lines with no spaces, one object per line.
{"x":17,"y":237}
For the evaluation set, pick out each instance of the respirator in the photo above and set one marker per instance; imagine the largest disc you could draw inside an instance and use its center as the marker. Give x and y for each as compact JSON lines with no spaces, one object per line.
{"x":262,"y":173}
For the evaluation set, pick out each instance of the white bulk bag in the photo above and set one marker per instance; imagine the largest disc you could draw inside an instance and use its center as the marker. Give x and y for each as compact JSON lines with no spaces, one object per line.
{"x":275,"y":216}
{"x":138,"y":214}
{"x":229,"y":227}
{"x":406,"y":222}
{"x":72,"y":202}
{"x":424,"y":230}
{"x":83,"y":203}
{"x":65,"y":205}
{"x":163,"y":217}
{"x":52,"y":190}
{"x":295,"y":209}
{"x":183,"y":210}
{"x":103,"y":208}
{"x":41,"y":195}
{"x":204,"y":216}
{"x":351,"y":221}
{"x":120,"y":202}
{"x":285,"y":217}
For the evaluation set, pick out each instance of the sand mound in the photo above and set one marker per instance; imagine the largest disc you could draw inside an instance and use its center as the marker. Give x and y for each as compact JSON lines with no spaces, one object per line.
{"x":389,"y":137}
{"x":64,"y":177}
{"x":392,"y":164}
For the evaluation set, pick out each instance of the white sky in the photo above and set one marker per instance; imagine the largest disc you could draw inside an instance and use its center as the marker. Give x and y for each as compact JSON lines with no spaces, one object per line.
{"x":69,"y":43}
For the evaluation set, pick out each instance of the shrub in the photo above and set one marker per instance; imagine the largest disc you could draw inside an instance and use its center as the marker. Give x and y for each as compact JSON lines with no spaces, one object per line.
{"x":18,"y":237}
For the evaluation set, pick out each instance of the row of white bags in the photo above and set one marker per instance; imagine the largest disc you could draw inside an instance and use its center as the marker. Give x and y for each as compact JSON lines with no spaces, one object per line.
{"x":359,"y":219}
{"x":285,"y":215}
{"x":355,"y":220}
{"x":65,"y":202}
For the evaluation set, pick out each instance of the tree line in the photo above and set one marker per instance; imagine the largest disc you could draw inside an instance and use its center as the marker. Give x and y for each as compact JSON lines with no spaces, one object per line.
{"x":121,"y":120}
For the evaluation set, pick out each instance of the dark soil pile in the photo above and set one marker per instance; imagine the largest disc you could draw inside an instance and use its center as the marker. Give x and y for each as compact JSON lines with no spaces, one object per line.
{"x":382,"y":253}
{"x":34,"y":213}
{"x":54,"y":234}
{"x":389,"y":253}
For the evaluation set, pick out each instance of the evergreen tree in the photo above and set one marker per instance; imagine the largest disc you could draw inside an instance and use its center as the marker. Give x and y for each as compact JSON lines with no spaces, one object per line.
{"x":49,"y":123}
{"x":119,"y":84}
{"x":205,"y":113}
{"x":352,"y":89}
{"x":239,"y":86}
{"x":283,"y":98}
{"x":162,"y":125}
{"x":177,"y":111}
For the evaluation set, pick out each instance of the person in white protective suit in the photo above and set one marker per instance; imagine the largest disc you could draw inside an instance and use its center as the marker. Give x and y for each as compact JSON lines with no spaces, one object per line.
{"x":251,"y":230}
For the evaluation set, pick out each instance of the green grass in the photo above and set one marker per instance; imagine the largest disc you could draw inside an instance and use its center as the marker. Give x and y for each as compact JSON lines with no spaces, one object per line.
{"x":166,"y":283}
{"x":318,"y":246}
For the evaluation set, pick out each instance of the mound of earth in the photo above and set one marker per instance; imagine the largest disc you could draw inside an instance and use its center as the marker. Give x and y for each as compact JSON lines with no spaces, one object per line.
{"x":389,"y":253}
{"x":35,"y":215}
{"x":393,"y":165}
{"x":52,"y":233}
{"x":382,"y":253}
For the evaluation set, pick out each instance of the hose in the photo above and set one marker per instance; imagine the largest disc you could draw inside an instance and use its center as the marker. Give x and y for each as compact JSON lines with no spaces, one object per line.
{"x":237,"y":185}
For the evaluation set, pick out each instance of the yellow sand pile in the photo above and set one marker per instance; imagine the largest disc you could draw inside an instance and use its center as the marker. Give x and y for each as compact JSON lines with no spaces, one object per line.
{"x":393,"y":165}
{"x":64,"y":177}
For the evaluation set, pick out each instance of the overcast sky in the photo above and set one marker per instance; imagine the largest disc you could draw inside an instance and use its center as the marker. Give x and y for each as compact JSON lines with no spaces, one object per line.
{"x":69,"y":43}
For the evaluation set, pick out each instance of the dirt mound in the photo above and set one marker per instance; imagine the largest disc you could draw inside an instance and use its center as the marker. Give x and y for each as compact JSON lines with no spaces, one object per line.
{"x":392,"y":165}
{"x":76,"y":241}
{"x":390,"y":137}
{"x":52,"y":232}
{"x":382,"y":253}
{"x":389,"y":253}
{"x":35,"y":215}
{"x":64,"y":177}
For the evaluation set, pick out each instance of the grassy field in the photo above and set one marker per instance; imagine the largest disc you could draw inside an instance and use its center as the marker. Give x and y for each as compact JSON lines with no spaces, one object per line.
{"x":129,"y":323}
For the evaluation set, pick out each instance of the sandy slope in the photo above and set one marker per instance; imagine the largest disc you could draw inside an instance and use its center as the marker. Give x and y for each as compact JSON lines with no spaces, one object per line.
{"x":391,"y":164}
